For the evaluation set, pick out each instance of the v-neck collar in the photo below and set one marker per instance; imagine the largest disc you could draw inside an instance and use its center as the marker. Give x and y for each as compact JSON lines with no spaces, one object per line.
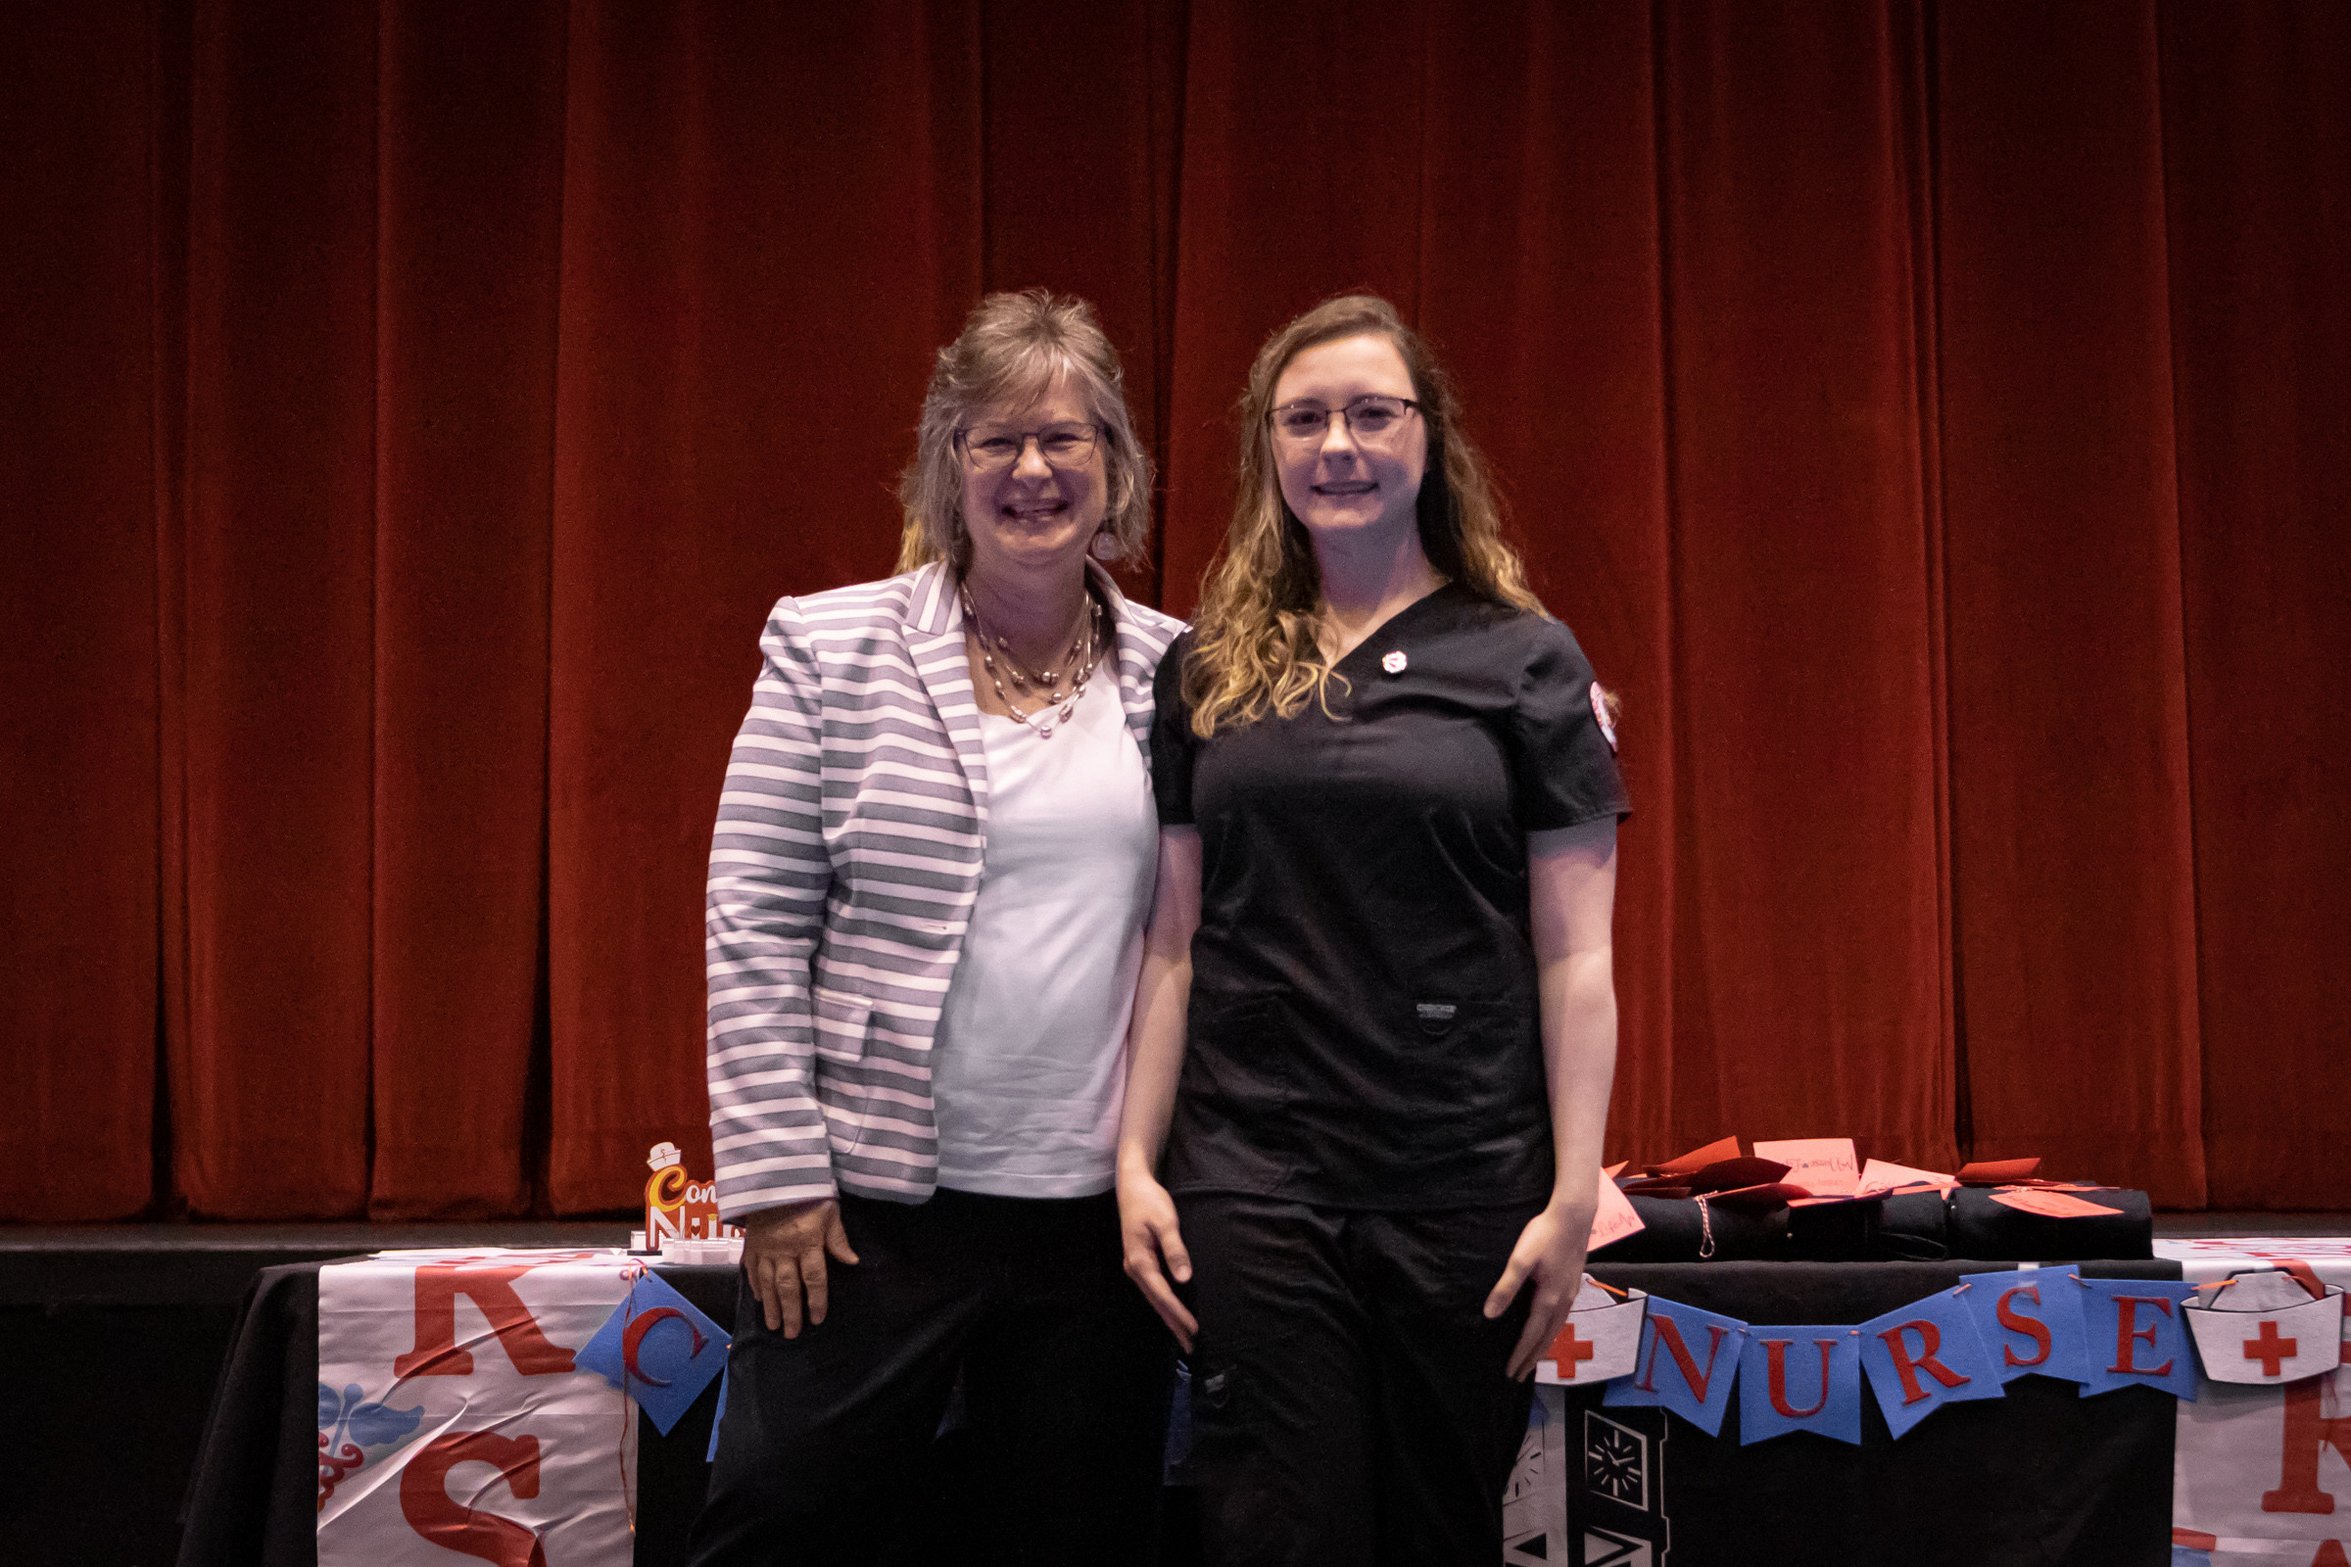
{"x":1387,"y":629}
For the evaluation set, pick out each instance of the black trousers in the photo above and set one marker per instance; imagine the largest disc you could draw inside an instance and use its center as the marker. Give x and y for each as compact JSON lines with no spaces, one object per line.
{"x":823,"y":1452}
{"x":1349,"y":1401}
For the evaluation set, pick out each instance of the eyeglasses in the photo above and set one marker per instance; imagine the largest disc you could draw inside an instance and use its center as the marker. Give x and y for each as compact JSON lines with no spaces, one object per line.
{"x":990,"y":450}
{"x":1370,"y":418}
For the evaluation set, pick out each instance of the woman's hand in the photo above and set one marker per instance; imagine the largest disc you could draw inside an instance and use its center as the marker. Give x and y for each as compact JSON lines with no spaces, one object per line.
{"x":784,"y":1252}
{"x":1147,"y":1225}
{"x":1550,"y":1252}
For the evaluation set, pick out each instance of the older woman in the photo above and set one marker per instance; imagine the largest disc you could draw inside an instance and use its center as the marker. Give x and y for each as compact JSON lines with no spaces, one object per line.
{"x":934,"y":855}
{"x":1376,"y":1004}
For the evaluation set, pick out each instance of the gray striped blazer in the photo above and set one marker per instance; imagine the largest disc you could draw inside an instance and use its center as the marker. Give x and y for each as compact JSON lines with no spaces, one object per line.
{"x":850,"y":841}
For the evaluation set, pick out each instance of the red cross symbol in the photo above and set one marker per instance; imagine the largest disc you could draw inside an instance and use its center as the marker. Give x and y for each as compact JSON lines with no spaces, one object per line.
{"x":2272,"y":1351}
{"x":1569,"y":1351}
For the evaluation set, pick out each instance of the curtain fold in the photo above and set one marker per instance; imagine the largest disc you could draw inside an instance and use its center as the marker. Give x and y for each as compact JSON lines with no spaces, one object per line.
{"x":470,"y":113}
{"x":2076,"y":944}
{"x":79,"y":709}
{"x":1929,"y":416}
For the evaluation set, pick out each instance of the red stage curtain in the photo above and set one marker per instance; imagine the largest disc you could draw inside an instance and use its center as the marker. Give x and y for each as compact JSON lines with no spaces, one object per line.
{"x":1928,"y":415}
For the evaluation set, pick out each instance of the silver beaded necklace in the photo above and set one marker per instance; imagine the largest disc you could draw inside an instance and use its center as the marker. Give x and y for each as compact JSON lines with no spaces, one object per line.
{"x":1058,"y":687}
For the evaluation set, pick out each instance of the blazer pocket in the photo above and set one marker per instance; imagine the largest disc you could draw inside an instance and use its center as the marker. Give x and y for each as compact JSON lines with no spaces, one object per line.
{"x":841,"y":1020}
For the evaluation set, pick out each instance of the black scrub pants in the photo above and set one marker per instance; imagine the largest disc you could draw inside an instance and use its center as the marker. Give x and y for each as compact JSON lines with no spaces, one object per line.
{"x":1065,"y":1375}
{"x":1349,"y":1401}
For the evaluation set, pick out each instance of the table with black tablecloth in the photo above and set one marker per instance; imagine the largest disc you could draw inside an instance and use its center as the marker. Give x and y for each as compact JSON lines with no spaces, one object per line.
{"x":2040,"y":1476}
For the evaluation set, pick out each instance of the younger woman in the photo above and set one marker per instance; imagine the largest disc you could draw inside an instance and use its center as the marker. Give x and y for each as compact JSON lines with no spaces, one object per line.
{"x":1376,"y":1021}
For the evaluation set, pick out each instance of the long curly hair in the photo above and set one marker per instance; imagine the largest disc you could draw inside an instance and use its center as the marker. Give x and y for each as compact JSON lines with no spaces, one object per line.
{"x":1254,"y":647}
{"x":1013,"y":347}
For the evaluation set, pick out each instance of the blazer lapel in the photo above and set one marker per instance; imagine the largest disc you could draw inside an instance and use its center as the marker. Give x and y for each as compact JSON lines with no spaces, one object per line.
{"x":1134,"y":656}
{"x":934,"y":640}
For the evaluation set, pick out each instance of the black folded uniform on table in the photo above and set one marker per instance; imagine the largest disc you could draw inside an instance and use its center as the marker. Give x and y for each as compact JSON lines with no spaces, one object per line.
{"x":1909,"y":1226}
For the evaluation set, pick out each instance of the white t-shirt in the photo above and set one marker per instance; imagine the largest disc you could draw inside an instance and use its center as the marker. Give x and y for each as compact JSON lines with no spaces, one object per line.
{"x":1028,"y":1066}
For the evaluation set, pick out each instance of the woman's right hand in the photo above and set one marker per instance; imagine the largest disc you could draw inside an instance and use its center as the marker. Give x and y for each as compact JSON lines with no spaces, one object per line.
{"x":784,"y":1252}
{"x":1155,"y":1249}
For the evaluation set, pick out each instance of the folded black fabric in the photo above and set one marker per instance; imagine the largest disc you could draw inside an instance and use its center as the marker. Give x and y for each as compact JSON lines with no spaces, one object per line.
{"x":1993,"y":1231}
{"x":1673,"y":1230}
{"x":1910,"y":1228}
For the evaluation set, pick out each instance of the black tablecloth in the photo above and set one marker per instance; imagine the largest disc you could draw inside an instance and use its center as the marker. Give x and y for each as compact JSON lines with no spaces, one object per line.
{"x":2042,"y":1476}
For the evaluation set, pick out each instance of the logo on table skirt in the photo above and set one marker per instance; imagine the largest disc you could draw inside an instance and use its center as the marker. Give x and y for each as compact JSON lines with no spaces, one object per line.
{"x":352,"y":1428}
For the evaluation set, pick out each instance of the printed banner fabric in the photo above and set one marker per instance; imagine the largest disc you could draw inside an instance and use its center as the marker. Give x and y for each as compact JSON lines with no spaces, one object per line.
{"x":2261,"y":1476}
{"x":452,"y":1420}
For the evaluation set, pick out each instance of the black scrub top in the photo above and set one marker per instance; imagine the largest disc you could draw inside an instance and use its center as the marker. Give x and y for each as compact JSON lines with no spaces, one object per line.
{"x":1363,"y":1024}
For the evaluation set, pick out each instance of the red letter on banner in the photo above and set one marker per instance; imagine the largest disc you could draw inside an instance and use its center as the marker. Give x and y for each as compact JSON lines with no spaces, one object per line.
{"x":2307,"y":1431}
{"x":1930,"y":1339}
{"x":1671,"y":1337}
{"x":425,"y":1503}
{"x":1775,"y":1361}
{"x":2127,"y":1334}
{"x":2016,"y":1321}
{"x":438,"y":1284}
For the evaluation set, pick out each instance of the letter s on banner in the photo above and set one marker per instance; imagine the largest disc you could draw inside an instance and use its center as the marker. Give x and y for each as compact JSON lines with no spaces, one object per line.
{"x":426,"y":1504}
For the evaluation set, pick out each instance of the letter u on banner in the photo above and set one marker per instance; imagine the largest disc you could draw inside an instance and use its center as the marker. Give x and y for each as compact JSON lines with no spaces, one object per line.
{"x":1689,"y":1363}
{"x":1800,"y":1379}
{"x":1924,"y":1355}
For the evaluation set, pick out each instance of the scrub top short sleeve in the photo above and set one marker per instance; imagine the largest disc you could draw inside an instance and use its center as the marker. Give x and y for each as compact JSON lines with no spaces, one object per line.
{"x":1562,"y":759}
{"x":1173,"y":745}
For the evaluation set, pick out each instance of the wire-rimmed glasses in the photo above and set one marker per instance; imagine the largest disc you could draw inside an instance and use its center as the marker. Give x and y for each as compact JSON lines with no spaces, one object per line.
{"x":1372,"y":417}
{"x":991,"y":448}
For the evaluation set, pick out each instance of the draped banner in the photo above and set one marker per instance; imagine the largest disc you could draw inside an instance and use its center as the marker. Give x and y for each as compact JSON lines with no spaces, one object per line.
{"x":454,"y":1415}
{"x":2262,"y":1474}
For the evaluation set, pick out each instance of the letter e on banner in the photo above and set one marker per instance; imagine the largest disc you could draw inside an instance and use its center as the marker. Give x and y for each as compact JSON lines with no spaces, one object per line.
{"x":426,"y":1503}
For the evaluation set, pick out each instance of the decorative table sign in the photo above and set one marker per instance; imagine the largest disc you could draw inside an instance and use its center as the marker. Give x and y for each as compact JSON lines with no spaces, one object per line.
{"x":677,"y":1207}
{"x":454,"y":1421}
{"x":2268,"y":1328}
{"x":1602,"y":1338}
{"x":2261,"y":1469}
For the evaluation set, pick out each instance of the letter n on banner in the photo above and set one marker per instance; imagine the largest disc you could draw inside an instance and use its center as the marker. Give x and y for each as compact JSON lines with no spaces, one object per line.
{"x":1800,"y":1379}
{"x":2031,"y":1321}
{"x":2137,"y":1336}
{"x":1924,"y":1355}
{"x":1688,"y":1364}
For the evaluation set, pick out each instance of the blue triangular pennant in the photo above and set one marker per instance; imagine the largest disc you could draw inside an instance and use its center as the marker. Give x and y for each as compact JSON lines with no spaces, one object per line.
{"x":658,"y":1348}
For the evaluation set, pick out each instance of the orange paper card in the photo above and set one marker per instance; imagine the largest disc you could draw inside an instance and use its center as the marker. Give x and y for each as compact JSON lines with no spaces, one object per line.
{"x":1823,"y":1166}
{"x":2054,"y":1205}
{"x":1614,"y":1219}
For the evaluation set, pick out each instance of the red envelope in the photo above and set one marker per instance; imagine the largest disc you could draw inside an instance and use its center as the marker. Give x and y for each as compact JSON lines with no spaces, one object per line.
{"x":1698,"y":1158}
{"x":1725,"y":1175}
{"x":1758,"y":1198}
{"x":1997,"y":1172}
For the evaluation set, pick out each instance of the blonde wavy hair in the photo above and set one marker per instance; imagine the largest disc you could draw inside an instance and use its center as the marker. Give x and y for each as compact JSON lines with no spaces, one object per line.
{"x":1011,"y":351}
{"x":1254,"y":648}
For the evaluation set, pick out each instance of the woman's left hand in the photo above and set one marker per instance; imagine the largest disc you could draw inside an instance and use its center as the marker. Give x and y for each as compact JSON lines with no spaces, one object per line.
{"x":1550,"y":1253}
